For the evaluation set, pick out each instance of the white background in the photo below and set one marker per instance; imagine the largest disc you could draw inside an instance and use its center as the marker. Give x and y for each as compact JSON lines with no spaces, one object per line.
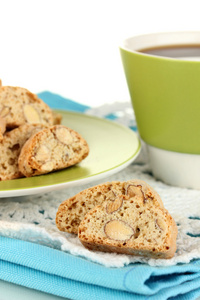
{"x":72,"y":47}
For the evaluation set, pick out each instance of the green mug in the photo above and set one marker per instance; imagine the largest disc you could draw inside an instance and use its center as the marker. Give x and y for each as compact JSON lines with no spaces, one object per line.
{"x":163,"y":77}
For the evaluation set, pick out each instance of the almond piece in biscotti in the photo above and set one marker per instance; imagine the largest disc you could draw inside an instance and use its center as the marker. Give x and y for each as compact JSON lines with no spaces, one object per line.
{"x":4,"y":111}
{"x":161,"y":224}
{"x":31,"y":114}
{"x":133,"y":229}
{"x":47,"y":166}
{"x":45,"y":151}
{"x":142,"y":190}
{"x":64,"y":135}
{"x":133,"y":190}
{"x":113,"y":206}
{"x":118,"y":230}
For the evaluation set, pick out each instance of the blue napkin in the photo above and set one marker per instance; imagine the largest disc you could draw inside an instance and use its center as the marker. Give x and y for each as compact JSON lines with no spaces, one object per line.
{"x":62,"y":274}
{"x":58,"y":102}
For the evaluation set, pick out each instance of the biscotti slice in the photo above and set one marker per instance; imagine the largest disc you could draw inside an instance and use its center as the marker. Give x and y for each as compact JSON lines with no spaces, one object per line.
{"x":10,"y":147}
{"x":71,"y":212}
{"x":129,"y":226}
{"x":2,"y":127}
{"x":54,"y":148}
{"x":19,"y":106}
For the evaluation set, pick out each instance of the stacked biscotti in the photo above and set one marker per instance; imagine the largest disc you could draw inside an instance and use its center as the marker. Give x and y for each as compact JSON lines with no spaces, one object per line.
{"x":124,"y":217}
{"x":32,"y":139}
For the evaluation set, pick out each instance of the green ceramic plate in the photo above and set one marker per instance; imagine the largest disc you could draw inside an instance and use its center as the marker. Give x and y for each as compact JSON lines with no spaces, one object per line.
{"x":112,"y":148}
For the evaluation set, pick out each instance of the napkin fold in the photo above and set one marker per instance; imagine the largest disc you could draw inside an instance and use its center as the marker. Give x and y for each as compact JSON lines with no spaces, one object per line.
{"x":59,"y":273}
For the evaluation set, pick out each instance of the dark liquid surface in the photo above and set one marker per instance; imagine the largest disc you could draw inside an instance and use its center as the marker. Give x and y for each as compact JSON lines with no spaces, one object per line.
{"x":174,"y":51}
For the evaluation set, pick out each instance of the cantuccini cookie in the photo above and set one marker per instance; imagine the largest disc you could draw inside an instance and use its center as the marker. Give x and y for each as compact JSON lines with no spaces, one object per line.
{"x":2,"y":127}
{"x":131,"y":226}
{"x":51,"y":149}
{"x":72,"y":211}
{"x":10,"y":147}
{"x":19,"y":106}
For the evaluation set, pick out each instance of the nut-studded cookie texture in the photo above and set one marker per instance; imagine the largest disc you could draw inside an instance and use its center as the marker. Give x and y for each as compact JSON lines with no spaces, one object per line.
{"x":10,"y":147}
{"x":2,"y":128}
{"x":72,"y":211}
{"x":19,"y":106}
{"x":53,"y":148}
{"x":130,"y":226}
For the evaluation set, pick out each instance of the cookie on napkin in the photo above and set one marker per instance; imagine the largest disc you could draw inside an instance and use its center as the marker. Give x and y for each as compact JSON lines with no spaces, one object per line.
{"x":129,"y":225}
{"x":72,"y":211}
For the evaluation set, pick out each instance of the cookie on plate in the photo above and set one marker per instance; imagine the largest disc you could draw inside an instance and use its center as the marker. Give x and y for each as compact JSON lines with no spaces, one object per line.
{"x":51,"y":149}
{"x":71,"y":212}
{"x":19,"y":106}
{"x":2,"y":128}
{"x":128,"y":225}
{"x":10,"y":147}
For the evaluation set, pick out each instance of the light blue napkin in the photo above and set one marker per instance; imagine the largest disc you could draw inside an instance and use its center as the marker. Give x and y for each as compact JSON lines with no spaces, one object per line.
{"x":62,"y":274}
{"x":58,"y":102}
{"x":59,"y":273}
